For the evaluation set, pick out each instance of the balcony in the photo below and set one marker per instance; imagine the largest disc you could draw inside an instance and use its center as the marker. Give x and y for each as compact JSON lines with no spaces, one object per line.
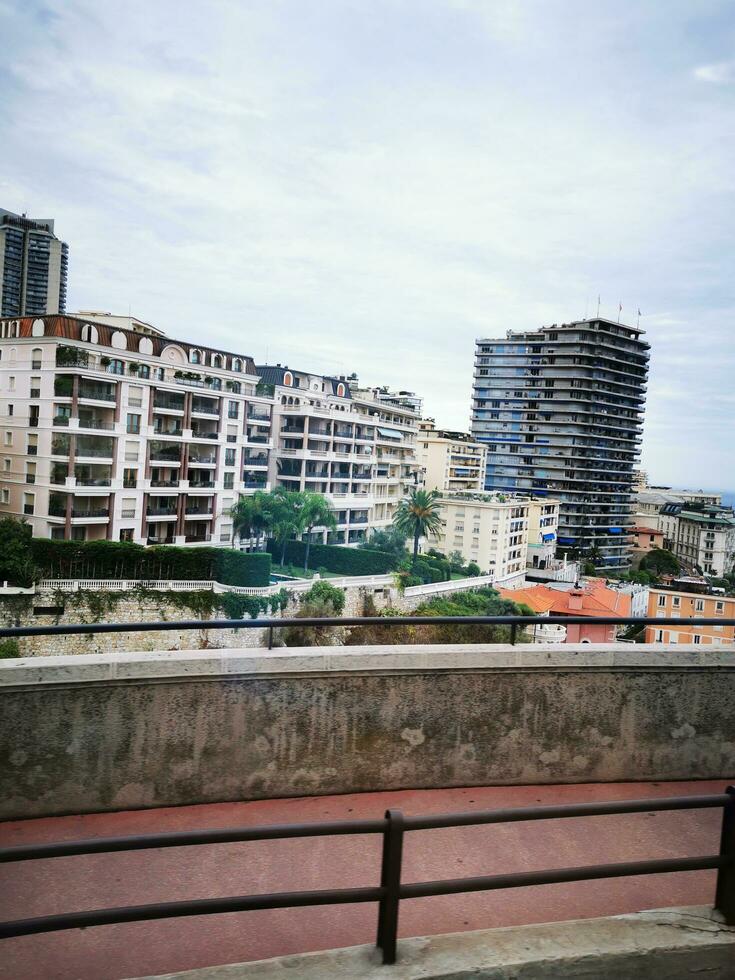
{"x":95,"y":423}
{"x":201,"y":484}
{"x":200,"y":460}
{"x":200,"y":434}
{"x":196,"y":537}
{"x":259,"y":417}
{"x":157,"y":484}
{"x":255,"y":484}
{"x":91,"y":513}
{"x":168,"y":432}
{"x":201,"y":407}
{"x":260,"y":440}
{"x":256,"y":459}
{"x":96,"y":392}
{"x":162,"y":403}
{"x":193,"y":512}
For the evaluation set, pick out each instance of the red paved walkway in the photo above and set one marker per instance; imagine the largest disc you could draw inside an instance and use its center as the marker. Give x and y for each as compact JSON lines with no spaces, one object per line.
{"x":131,"y":950}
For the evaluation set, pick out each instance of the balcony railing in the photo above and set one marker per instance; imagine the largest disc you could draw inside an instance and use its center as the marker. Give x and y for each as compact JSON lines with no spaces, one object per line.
{"x":201,"y":484}
{"x":93,"y":481}
{"x":173,"y":404}
{"x":100,"y":393}
{"x":87,"y":423}
{"x":164,"y":483}
{"x":95,"y":451}
{"x":202,"y":460}
{"x":254,"y":484}
{"x":90,"y":512}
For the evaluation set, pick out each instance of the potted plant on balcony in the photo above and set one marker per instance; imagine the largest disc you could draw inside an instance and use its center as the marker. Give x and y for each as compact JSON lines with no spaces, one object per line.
{"x":105,"y":361}
{"x":178,"y":375}
{"x":134,"y":367}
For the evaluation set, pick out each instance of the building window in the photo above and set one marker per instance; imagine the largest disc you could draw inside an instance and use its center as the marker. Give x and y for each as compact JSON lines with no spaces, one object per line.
{"x":697,"y":638}
{"x":130,"y":479}
{"x":36,"y":358}
{"x":35,"y":386}
{"x":195,"y":357}
{"x":229,"y":481}
{"x":133,"y":424}
{"x":32,"y":448}
{"x":58,"y":533}
{"x":29,"y":503}
{"x":8,"y":438}
{"x":233,"y":410}
{"x":229,"y":457}
{"x":662,"y":600}
{"x":115,"y":367}
{"x":79,"y":534}
{"x":126,"y":534}
{"x":288,"y":379}
{"x":30,"y":472}
{"x":5,"y":495}
{"x":719,"y":608}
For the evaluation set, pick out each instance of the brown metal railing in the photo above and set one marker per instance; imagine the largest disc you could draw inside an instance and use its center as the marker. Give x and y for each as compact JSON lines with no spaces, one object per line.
{"x":391,"y":890}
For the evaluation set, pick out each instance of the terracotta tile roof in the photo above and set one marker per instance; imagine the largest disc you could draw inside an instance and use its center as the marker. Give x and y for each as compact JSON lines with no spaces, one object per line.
{"x":597,"y":600}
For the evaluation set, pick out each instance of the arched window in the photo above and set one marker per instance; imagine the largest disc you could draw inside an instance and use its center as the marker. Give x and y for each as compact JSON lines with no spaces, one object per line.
{"x":216,"y":361}
{"x":284,"y":400}
{"x":340,"y":390}
{"x":237,"y":364}
{"x":288,"y":379}
{"x":36,"y":358}
{"x":195,"y":357}
{"x":89,"y":333}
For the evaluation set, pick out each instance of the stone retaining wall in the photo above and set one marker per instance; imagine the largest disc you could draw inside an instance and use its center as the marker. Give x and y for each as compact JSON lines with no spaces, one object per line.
{"x":161,"y":729}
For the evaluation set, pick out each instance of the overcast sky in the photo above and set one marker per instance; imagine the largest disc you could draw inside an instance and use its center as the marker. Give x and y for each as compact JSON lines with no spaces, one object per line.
{"x":369,"y":186}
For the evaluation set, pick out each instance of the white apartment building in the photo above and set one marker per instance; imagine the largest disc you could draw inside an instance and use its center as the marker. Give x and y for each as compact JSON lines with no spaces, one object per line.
{"x":450,"y":461}
{"x":490,"y":529}
{"x":125,"y":434}
{"x":343,"y":442}
{"x":695,"y":527}
{"x":543,"y":525}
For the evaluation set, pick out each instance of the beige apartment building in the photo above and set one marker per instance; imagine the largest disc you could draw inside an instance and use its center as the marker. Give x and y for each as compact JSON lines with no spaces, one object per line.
{"x":357,"y":446}
{"x":450,"y":461}
{"x":669,"y":603}
{"x":493,"y":530}
{"x":119,"y":432}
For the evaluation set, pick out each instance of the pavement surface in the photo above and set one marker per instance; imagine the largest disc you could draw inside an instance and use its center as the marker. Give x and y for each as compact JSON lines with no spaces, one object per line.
{"x":133,"y":878}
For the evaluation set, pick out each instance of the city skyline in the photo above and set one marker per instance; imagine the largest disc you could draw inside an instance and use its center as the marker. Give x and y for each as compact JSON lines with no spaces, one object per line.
{"x":372,"y":191}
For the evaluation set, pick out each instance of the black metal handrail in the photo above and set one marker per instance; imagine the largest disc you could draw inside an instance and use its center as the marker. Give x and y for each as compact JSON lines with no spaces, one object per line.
{"x":391,"y":890}
{"x":387,"y":621}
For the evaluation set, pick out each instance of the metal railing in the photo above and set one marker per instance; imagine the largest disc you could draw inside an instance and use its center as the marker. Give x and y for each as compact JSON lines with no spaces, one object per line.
{"x":392,"y":889}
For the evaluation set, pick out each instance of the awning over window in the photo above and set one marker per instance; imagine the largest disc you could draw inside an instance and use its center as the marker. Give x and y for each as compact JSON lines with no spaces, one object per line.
{"x":390,"y":433}
{"x":567,"y":540}
{"x":548,"y":537}
{"x":615,"y":530}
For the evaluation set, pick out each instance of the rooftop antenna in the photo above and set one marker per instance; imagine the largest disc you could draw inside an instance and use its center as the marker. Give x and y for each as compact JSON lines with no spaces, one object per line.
{"x":598,"y":306}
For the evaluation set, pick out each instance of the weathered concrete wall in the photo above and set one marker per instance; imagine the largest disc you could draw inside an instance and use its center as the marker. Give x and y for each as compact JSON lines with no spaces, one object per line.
{"x":123,"y":731}
{"x":662,"y":944}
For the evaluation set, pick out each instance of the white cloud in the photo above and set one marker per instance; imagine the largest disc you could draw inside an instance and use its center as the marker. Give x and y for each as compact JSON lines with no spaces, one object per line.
{"x":719,"y":73}
{"x":371,"y":187}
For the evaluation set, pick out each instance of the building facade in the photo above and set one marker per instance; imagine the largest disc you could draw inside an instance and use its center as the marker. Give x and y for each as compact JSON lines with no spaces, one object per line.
{"x":450,"y":461}
{"x":488,"y":529}
{"x":560,"y":410}
{"x":333,"y":438}
{"x":119,"y":434}
{"x":672,"y":603}
{"x":33,"y":266}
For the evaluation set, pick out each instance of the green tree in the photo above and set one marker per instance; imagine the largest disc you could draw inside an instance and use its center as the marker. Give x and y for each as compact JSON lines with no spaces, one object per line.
{"x":285,"y":517}
{"x":418,"y":515}
{"x":660,"y":562}
{"x":16,"y":558}
{"x":314,"y":511}
{"x":390,"y":540}
{"x":252,"y":516}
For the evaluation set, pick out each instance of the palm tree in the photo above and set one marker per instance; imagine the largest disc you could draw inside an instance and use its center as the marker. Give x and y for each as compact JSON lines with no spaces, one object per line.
{"x":284,"y":511}
{"x":418,"y":515}
{"x":314,"y":512}
{"x":251,"y":516}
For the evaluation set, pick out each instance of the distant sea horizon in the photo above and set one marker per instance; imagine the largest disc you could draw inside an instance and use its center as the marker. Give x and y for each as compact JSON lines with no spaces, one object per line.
{"x":728,"y":496}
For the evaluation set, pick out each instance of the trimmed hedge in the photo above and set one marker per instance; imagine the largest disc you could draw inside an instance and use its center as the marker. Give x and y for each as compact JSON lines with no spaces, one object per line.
{"x":336,"y":558}
{"x":124,"y":559}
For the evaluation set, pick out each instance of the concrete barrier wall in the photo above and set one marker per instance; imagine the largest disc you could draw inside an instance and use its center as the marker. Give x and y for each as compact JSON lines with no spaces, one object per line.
{"x":89,"y":733}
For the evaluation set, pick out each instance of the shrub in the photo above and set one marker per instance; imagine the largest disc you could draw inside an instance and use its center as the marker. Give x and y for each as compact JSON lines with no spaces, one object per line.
{"x":473,"y":569}
{"x":9,"y":649}
{"x":324,"y":592}
{"x":337,"y":558}
{"x":16,"y":560}
{"x":123,"y":559}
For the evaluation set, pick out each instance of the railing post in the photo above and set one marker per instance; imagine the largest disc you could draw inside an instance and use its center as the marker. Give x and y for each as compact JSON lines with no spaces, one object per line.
{"x":512,"y":634}
{"x":270,"y":637}
{"x":725,"y":893}
{"x":390,"y":879}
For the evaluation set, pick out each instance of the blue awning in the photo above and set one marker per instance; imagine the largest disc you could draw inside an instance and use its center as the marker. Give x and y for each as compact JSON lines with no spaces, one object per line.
{"x":567,"y":540}
{"x":548,"y":537}
{"x":615,"y":530}
{"x":390,"y":433}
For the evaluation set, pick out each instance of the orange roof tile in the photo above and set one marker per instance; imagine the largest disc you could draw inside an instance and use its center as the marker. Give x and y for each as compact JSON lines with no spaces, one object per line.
{"x":597,"y":600}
